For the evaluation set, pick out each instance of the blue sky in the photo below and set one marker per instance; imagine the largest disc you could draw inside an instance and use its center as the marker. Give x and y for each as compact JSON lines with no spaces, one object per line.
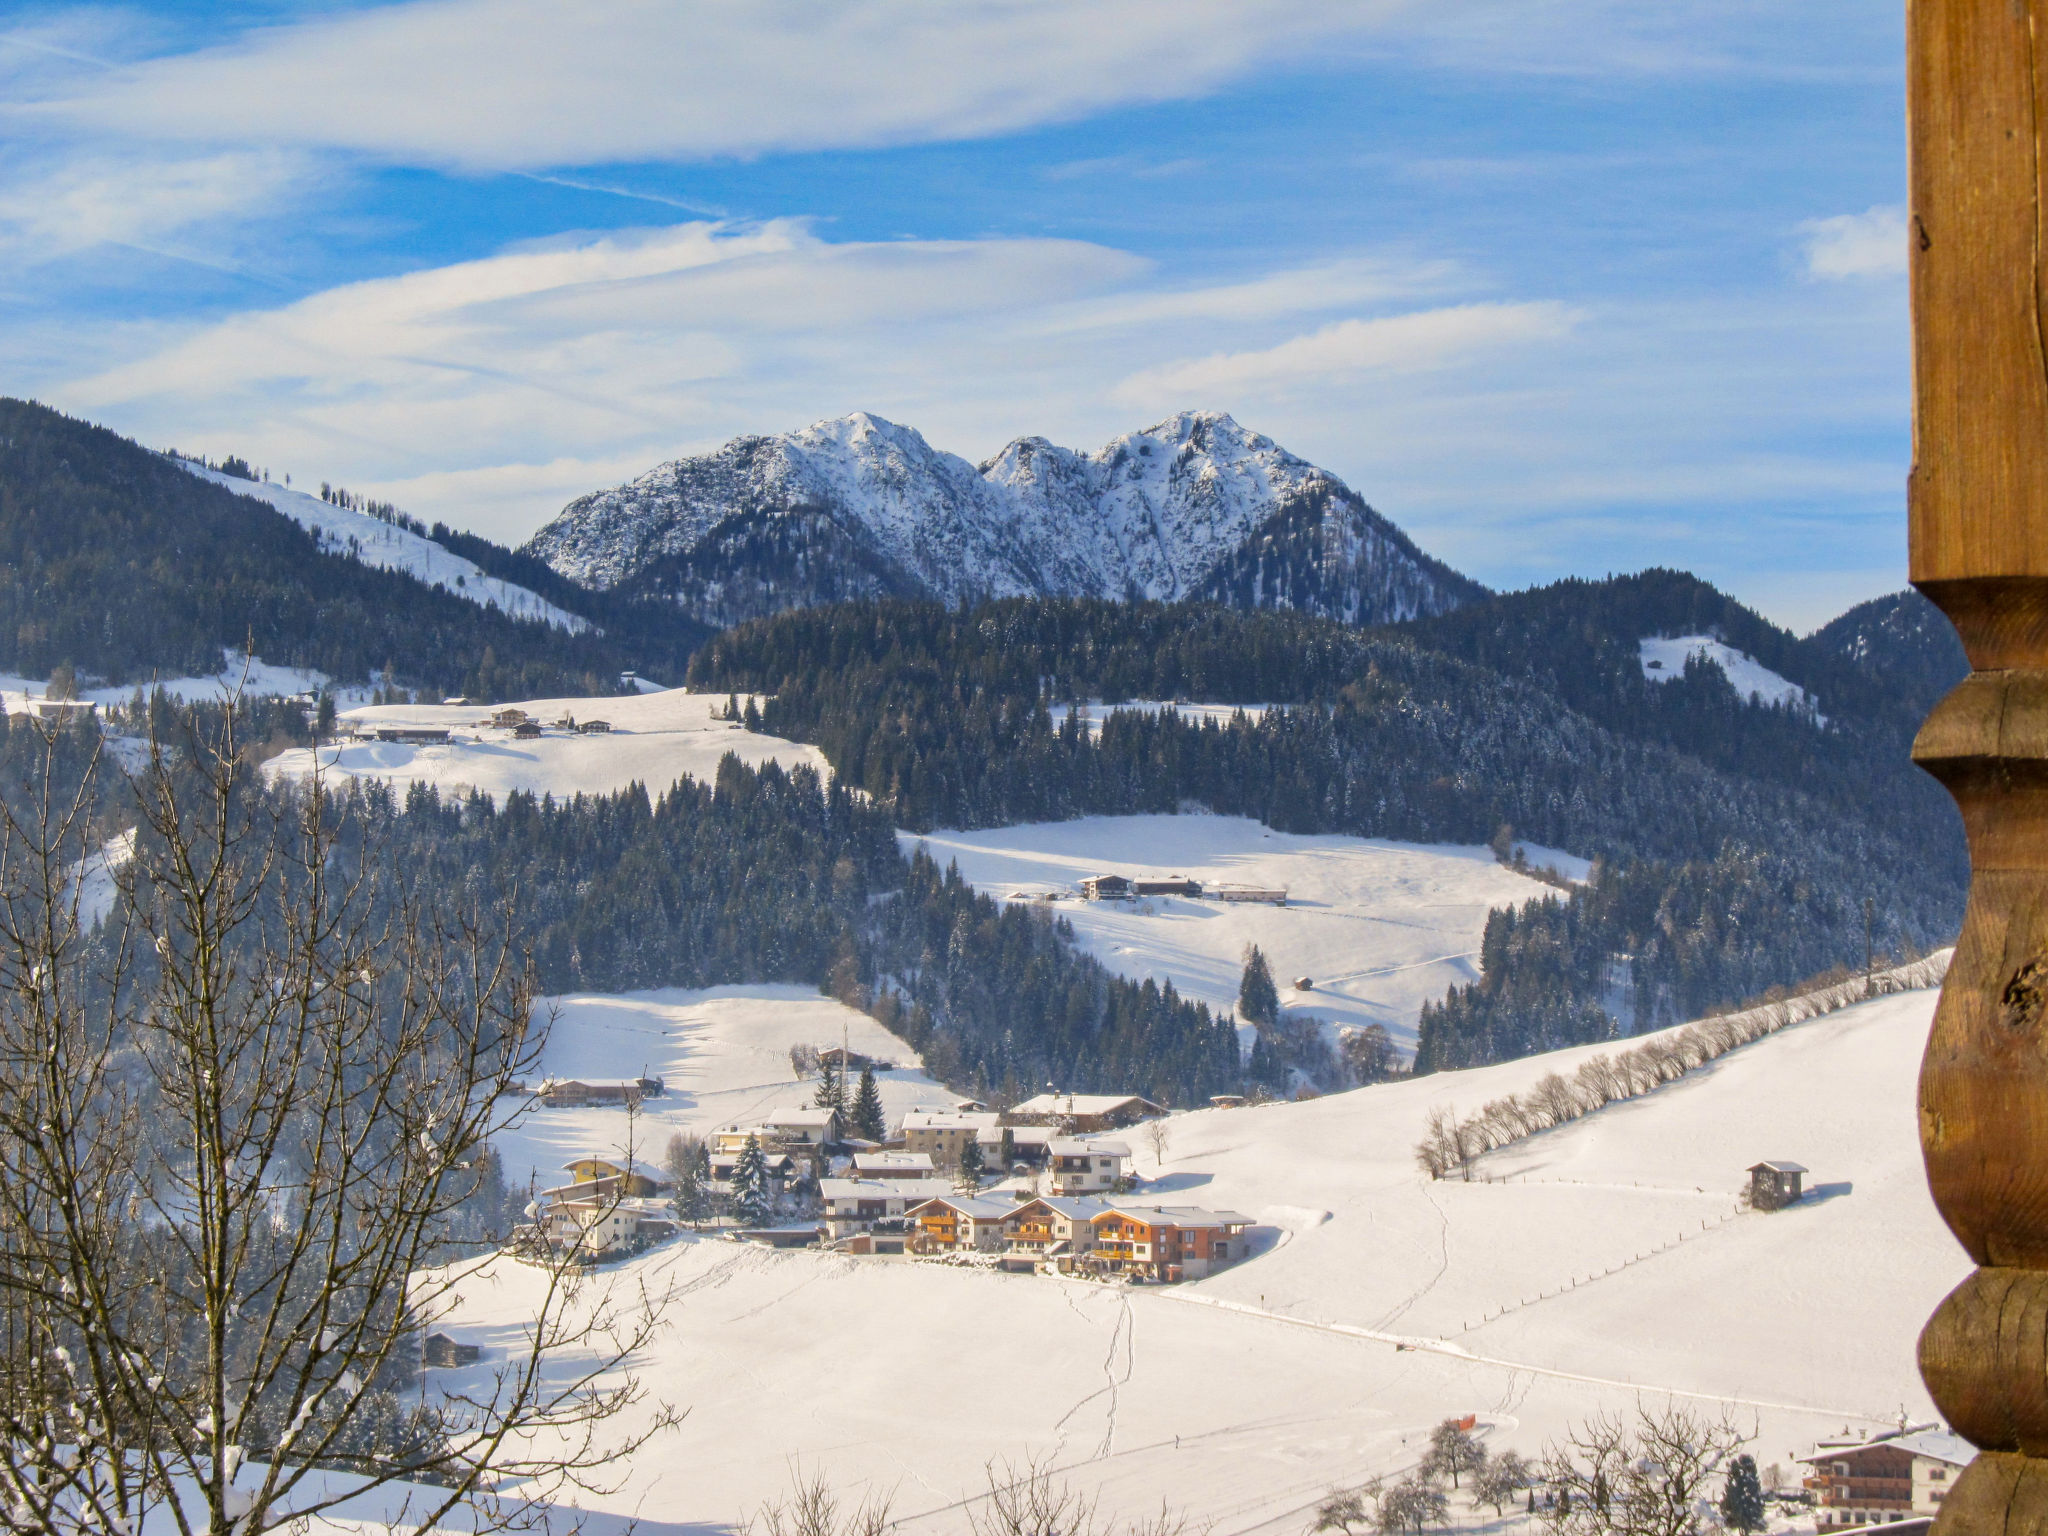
{"x":1560,"y":286}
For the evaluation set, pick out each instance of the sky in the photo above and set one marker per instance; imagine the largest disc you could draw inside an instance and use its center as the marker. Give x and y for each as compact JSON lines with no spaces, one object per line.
{"x":1563,"y":287}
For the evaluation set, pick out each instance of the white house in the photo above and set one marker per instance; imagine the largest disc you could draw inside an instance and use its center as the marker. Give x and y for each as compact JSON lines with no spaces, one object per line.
{"x":854,"y":1205}
{"x":943,"y":1134}
{"x":1080,"y":1167}
{"x":1085,"y":1111}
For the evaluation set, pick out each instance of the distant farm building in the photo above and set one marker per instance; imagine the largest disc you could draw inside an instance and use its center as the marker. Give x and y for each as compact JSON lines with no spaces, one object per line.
{"x":595,"y":728}
{"x":414,"y":735}
{"x":526,"y":730}
{"x":1105,"y":887}
{"x":1172,"y":885}
{"x":840,"y":1060}
{"x":942,"y":1135}
{"x":508,"y":718}
{"x":1118,"y":887}
{"x":62,"y":711}
{"x":444,"y":1351}
{"x":1085,"y":1111}
{"x":1774,"y":1185}
{"x":575,"y":1094}
{"x":1887,"y":1480}
{"x":1087,"y":1167}
{"x":1272,"y":895}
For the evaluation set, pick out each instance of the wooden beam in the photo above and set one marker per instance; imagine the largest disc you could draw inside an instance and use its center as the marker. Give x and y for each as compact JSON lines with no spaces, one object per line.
{"x":1977,"y":87}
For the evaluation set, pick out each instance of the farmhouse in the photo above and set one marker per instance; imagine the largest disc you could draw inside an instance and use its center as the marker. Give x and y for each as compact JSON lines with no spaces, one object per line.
{"x":798,"y":1126}
{"x":1888,"y":1479}
{"x":607,"y":1175}
{"x":1084,"y":1111}
{"x":1006,"y":1148}
{"x":62,"y":711}
{"x":595,"y":728}
{"x":414,"y":735}
{"x":1087,"y":1167}
{"x":506,"y":719}
{"x":1105,"y":887}
{"x":609,"y":1206}
{"x":958,"y":1224}
{"x":573,"y":1093}
{"x":1051,"y":1228}
{"x":526,"y":730}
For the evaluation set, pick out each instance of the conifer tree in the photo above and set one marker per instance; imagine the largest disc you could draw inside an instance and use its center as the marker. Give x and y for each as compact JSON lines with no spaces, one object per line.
{"x":750,"y":1184}
{"x":1742,"y":1501}
{"x":971,"y":1163}
{"x":868,"y":1120}
{"x":1258,"y":1000}
{"x":831,"y":1093}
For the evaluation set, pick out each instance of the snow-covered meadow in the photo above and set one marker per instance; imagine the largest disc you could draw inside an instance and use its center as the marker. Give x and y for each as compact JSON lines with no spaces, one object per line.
{"x":1664,"y":657}
{"x":655,"y":739}
{"x":1379,"y":927}
{"x":1594,"y":1267}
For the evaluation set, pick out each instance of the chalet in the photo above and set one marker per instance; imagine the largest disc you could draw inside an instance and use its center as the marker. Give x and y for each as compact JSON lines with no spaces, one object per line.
{"x":942,"y":1135}
{"x":1226,"y":1100}
{"x":840,"y":1059}
{"x":526,"y":730}
{"x":506,"y":719}
{"x":62,"y":711}
{"x":1163,"y":1242}
{"x":573,"y":1093}
{"x":1086,"y":1167}
{"x":958,"y":1224}
{"x":1050,"y":1229}
{"x":1084,"y":1111}
{"x":1275,"y":896}
{"x":1106,"y":887}
{"x":783,"y":1168}
{"x":856,"y":1205}
{"x":798,"y":1126}
{"x":1774,"y":1185}
{"x":1889,"y":1479}
{"x":595,"y":728}
{"x":440,"y":1350}
{"x":414,"y":735}
{"x":896,"y":1167}
{"x":608,"y":1175}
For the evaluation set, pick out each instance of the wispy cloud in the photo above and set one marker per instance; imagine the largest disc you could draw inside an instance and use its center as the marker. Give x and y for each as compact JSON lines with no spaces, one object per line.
{"x":1408,"y":343}
{"x":55,"y":209}
{"x":1868,"y":244}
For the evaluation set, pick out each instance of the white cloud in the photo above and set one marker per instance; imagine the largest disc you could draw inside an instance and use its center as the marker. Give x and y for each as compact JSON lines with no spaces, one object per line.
{"x":56,"y":210}
{"x":1868,"y":244}
{"x":1431,"y":338}
{"x":534,"y":84}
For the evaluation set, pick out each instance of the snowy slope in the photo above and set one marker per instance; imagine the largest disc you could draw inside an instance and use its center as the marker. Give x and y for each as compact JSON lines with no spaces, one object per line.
{"x":860,"y":506}
{"x":656,"y":738}
{"x":1664,"y":658}
{"x":722,"y":1054}
{"x":1242,"y":1399}
{"x":390,"y":548}
{"x":1379,"y":927}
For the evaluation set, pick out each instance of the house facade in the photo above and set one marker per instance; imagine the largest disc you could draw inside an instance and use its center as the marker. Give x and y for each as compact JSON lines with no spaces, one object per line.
{"x":1894,"y":1478}
{"x":958,"y":1224}
{"x":942,"y":1134}
{"x":1076,"y":1167}
{"x":856,"y":1205}
{"x":1164,"y":1243}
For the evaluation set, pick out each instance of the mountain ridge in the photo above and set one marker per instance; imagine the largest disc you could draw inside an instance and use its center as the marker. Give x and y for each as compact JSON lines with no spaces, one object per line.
{"x":1193,"y":507}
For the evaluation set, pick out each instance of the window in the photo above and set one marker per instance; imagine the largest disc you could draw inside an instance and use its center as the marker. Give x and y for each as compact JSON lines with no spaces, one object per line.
{"x":1937,"y":1474}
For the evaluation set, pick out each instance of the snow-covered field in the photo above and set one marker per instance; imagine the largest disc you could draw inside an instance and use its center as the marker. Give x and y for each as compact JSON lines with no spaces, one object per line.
{"x":1385,"y":1304}
{"x":247,"y":675}
{"x":656,"y":738}
{"x":1379,"y":927}
{"x":389,"y":547}
{"x":722,"y":1054}
{"x":1664,"y":657}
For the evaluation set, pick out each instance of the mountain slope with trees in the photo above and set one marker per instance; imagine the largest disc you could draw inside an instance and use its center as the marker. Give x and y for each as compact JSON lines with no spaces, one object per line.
{"x":117,"y":562}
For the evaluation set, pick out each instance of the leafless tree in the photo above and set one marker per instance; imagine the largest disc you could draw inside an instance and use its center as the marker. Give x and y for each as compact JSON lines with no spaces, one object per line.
{"x":235,"y":1122}
{"x":1437,"y":1153}
{"x":1649,"y":1479}
{"x":1351,"y":1513}
{"x":1453,"y":1451}
{"x":1411,"y":1507}
{"x":1504,"y":1475}
{"x":1156,"y":1133}
{"x":814,"y":1510}
{"x":1032,"y":1501}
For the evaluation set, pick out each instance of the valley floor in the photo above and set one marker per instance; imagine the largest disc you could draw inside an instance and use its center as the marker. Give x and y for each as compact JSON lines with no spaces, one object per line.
{"x":1592,"y":1268}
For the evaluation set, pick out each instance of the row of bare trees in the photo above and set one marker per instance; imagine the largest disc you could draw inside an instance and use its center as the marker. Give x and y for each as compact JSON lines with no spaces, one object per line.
{"x":1452,"y":1144}
{"x":238,"y":1110}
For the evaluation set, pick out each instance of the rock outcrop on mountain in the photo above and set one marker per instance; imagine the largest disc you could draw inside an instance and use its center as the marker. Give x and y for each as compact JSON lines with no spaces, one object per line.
{"x":1195,"y":507}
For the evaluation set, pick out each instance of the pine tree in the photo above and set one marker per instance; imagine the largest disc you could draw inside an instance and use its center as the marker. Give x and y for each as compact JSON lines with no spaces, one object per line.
{"x":750,"y":1184}
{"x":868,"y":1120}
{"x":970,"y":1163}
{"x":1258,"y":1000}
{"x":1742,"y":1502}
{"x":830,"y":1094}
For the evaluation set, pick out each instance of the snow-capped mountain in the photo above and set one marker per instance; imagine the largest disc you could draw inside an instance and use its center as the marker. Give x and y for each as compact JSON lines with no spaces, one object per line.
{"x":1195,"y":507}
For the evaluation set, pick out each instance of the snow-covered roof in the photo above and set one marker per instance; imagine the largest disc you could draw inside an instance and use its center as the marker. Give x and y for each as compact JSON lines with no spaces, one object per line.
{"x":919,"y":1161}
{"x":1176,"y":1215}
{"x":799,"y":1114}
{"x":614,"y":1161}
{"x":968,"y":1205}
{"x":1778,"y":1167}
{"x":916,"y":1190}
{"x":1081,"y":1103}
{"x":1939,"y":1445}
{"x":945,"y":1119}
{"x":1074,"y":1146}
{"x":1074,"y":1207}
{"x":1020,"y":1135}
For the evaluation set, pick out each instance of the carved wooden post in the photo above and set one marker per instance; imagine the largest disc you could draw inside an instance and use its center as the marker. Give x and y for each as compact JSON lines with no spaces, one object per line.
{"x":1977,"y":93}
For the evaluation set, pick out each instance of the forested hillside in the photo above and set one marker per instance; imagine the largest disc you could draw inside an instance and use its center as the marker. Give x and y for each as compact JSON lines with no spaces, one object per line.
{"x":117,"y":562}
{"x":1725,"y":871}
